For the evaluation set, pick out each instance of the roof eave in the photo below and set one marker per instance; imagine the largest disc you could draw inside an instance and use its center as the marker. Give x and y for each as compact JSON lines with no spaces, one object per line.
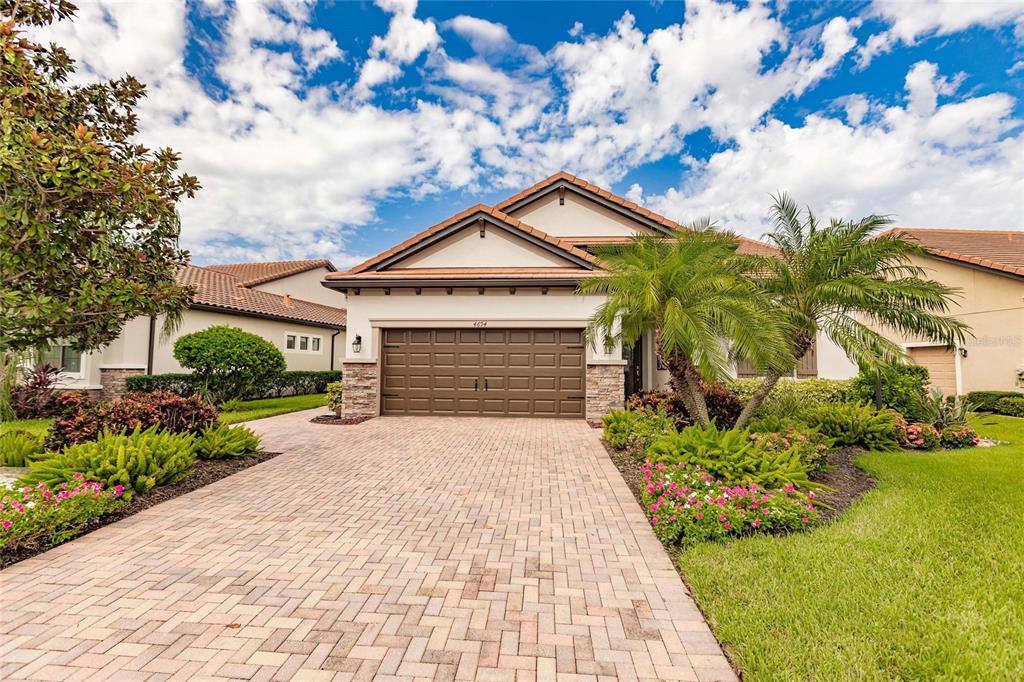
{"x":209,"y":307}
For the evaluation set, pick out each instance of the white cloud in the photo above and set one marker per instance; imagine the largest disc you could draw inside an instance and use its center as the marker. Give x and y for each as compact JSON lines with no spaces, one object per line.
{"x":910,"y":20}
{"x":956,"y":165}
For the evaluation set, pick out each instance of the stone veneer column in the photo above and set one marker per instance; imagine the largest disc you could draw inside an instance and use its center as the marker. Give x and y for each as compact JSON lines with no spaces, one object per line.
{"x":359,"y":398}
{"x":112,"y":379}
{"x":606,"y":390}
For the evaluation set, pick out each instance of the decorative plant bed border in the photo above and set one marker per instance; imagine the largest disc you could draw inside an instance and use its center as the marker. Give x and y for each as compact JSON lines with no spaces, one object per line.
{"x":205,"y":472}
{"x":338,"y":421}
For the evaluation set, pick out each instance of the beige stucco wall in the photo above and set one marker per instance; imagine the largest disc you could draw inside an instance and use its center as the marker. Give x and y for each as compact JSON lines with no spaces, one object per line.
{"x":993,"y":305}
{"x":498,"y":248}
{"x":306,"y":285}
{"x":130,"y":349}
{"x":578,"y":217}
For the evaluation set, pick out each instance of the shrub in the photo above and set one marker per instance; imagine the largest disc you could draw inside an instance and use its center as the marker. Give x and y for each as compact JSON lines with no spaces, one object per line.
{"x":668,"y":401}
{"x":219,"y":442}
{"x":919,"y":436}
{"x":724,"y":406}
{"x":958,"y":436}
{"x":941,"y":411}
{"x":617,"y":425}
{"x":686,"y":505}
{"x":38,"y":515}
{"x":854,"y":424}
{"x":18,"y":448}
{"x":792,"y":395}
{"x":730,"y":455}
{"x":138,"y":461}
{"x":293,"y":382}
{"x":1013,"y":407}
{"x":988,"y":401}
{"x":335,"y":393}
{"x":82,"y":420}
{"x":229,"y":362}
{"x":34,"y":397}
{"x":903,"y":387}
{"x":774,"y":434}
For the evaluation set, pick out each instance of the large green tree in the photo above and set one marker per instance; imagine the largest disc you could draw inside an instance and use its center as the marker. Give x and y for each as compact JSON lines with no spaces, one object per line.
{"x":846,"y":280}
{"x":88,"y":221}
{"x":692,"y":292}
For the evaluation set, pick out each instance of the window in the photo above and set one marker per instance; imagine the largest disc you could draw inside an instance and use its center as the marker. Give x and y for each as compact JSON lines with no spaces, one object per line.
{"x":63,"y":357}
{"x":303,"y":343}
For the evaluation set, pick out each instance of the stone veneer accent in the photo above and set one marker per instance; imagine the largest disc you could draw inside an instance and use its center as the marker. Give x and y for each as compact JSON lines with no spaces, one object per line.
{"x":359,"y":398}
{"x":113,"y":380}
{"x":606,"y":390}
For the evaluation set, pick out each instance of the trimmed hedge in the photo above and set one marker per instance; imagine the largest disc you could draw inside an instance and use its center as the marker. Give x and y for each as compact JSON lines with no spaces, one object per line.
{"x":289,"y":383}
{"x":800,"y":392}
{"x":988,"y":401}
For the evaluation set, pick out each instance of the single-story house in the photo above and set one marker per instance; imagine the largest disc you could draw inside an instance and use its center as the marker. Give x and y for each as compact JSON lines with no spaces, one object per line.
{"x":281,"y":301}
{"x":477,"y":315}
{"x":988,"y":267}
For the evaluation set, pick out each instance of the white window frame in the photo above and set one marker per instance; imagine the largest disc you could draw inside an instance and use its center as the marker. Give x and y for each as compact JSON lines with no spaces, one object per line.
{"x":64,"y":374}
{"x":298,"y":342}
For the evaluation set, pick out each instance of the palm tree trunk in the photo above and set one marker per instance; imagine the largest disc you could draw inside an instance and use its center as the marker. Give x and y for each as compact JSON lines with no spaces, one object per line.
{"x":685,"y":381}
{"x":802,"y":342}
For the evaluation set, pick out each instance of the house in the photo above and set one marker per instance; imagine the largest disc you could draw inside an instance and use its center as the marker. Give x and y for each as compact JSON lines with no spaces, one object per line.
{"x":281,"y":301}
{"x":477,"y":315}
{"x":988,"y":267}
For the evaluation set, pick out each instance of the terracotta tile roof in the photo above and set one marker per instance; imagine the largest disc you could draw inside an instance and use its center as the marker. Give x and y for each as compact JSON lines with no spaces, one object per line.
{"x":466,"y":273}
{"x":462,"y":215}
{"x":1001,"y":250}
{"x":251,"y":274}
{"x":219,"y":290}
{"x":747,"y":245}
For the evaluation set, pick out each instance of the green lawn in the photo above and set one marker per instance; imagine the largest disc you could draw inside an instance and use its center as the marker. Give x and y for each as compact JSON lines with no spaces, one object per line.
{"x":258,"y":409}
{"x":920,"y":579}
{"x":36,"y":426}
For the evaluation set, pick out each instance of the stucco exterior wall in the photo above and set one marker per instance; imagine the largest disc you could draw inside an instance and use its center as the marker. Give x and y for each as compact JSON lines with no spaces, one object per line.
{"x":832,"y":360}
{"x":577,"y":217}
{"x":993,"y":305}
{"x":466,"y":249}
{"x":306,"y":285}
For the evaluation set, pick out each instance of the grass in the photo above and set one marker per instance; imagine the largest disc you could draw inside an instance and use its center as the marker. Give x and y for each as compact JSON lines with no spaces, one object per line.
{"x":258,"y":409}
{"x":34,"y":426}
{"x":920,"y":579}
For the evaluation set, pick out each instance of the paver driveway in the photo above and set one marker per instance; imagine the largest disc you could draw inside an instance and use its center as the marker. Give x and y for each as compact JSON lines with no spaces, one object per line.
{"x":399,"y":548}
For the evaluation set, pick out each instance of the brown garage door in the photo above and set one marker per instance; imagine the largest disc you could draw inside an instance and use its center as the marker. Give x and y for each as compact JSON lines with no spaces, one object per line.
{"x":941,"y":365}
{"x":514,"y":372}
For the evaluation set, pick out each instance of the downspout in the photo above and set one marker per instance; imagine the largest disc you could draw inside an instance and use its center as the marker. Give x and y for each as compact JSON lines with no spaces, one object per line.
{"x":336,"y":332}
{"x":152,"y":339}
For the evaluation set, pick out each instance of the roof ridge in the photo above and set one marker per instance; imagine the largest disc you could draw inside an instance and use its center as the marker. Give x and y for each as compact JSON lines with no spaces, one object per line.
{"x":957,"y":230}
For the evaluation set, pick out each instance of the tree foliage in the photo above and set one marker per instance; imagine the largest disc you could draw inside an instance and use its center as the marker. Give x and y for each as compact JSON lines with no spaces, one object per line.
{"x":230,"y":363}
{"x":88,"y":221}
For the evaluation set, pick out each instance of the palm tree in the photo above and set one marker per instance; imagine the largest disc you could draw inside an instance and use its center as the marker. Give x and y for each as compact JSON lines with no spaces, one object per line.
{"x":839,"y":279}
{"x":692,"y":292}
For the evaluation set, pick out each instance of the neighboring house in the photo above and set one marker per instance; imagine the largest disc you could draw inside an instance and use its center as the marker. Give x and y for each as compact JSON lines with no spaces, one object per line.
{"x":988,"y":267}
{"x":477,"y":315}
{"x":281,"y":301}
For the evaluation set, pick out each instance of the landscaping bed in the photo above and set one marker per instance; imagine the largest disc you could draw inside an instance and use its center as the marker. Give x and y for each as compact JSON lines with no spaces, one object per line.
{"x":204,"y":473}
{"x":338,"y":421}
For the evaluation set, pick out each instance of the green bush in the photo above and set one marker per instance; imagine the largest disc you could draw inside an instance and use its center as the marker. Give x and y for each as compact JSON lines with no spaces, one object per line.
{"x":730,"y":455}
{"x":790,"y":396}
{"x":988,"y":401}
{"x":903,"y":388}
{"x":774,"y":434}
{"x":18,"y":448}
{"x":856,"y":424}
{"x":219,"y":442}
{"x":1012,"y":407}
{"x":137,"y":461}
{"x":230,"y":363}
{"x":292,"y":382}
{"x":958,"y":436}
{"x":617,"y":425}
{"x":335,"y":393}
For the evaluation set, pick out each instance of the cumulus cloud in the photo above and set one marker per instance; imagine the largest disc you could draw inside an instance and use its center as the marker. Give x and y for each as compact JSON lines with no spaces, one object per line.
{"x":956,"y":165}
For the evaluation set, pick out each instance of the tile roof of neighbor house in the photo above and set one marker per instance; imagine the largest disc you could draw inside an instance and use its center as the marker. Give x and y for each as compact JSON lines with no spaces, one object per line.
{"x":1001,"y":250}
{"x":227,"y":292}
{"x":252,"y":274}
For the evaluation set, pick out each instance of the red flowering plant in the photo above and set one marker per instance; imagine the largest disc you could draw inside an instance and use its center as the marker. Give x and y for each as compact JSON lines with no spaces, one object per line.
{"x":958,"y":436}
{"x":685,"y":506}
{"x":41,"y":515}
{"x":920,"y":437}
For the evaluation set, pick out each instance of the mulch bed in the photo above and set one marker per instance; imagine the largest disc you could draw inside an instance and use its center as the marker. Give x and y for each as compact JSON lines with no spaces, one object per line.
{"x":205,"y":472}
{"x":338,"y":421}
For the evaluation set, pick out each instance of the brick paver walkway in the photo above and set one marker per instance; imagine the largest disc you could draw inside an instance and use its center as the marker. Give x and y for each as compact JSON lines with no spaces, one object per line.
{"x":401,"y":548}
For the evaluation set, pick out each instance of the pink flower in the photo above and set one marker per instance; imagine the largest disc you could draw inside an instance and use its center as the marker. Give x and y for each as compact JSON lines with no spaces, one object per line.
{"x":650,"y":488}
{"x":728,"y":525}
{"x":755,"y":523}
{"x":699,"y":516}
{"x":721,"y":517}
{"x":811,"y":495}
{"x":7,"y":524}
{"x":654,"y":521}
{"x":788,"y":488}
{"x":804,"y":520}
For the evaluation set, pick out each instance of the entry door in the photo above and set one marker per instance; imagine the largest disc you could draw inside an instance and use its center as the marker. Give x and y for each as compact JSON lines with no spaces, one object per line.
{"x":941,"y":365}
{"x":491,"y":372}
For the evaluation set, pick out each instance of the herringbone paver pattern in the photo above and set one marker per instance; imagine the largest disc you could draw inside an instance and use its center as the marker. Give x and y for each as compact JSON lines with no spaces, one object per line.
{"x":401,"y":548}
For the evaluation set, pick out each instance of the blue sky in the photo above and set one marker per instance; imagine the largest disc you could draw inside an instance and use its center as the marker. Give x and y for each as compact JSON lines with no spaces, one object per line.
{"x":338,"y":129}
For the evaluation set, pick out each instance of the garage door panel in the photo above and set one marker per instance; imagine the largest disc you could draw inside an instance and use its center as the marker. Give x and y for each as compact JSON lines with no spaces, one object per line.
{"x":521,"y":372}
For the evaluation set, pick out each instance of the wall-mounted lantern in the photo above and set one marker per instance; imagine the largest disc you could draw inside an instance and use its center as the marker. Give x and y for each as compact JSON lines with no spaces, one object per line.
{"x":357,"y":344}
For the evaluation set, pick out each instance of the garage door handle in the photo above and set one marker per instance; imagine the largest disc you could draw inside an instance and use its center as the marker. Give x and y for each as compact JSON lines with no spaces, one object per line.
{"x":476,"y":384}
{"x":389,"y":395}
{"x":485,"y":384}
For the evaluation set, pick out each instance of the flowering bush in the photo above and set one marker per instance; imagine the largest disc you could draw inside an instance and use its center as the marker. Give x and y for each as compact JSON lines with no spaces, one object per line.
{"x":918,"y":436}
{"x":958,"y":436}
{"x":686,"y":505}
{"x":777,"y":435}
{"x":38,"y":514}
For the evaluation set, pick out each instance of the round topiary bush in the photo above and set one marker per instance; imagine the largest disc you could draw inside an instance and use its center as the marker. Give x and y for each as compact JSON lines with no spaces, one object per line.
{"x":230,"y":363}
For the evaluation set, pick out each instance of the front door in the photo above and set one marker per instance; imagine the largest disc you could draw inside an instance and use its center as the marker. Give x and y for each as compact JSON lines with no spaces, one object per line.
{"x":634,"y":358}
